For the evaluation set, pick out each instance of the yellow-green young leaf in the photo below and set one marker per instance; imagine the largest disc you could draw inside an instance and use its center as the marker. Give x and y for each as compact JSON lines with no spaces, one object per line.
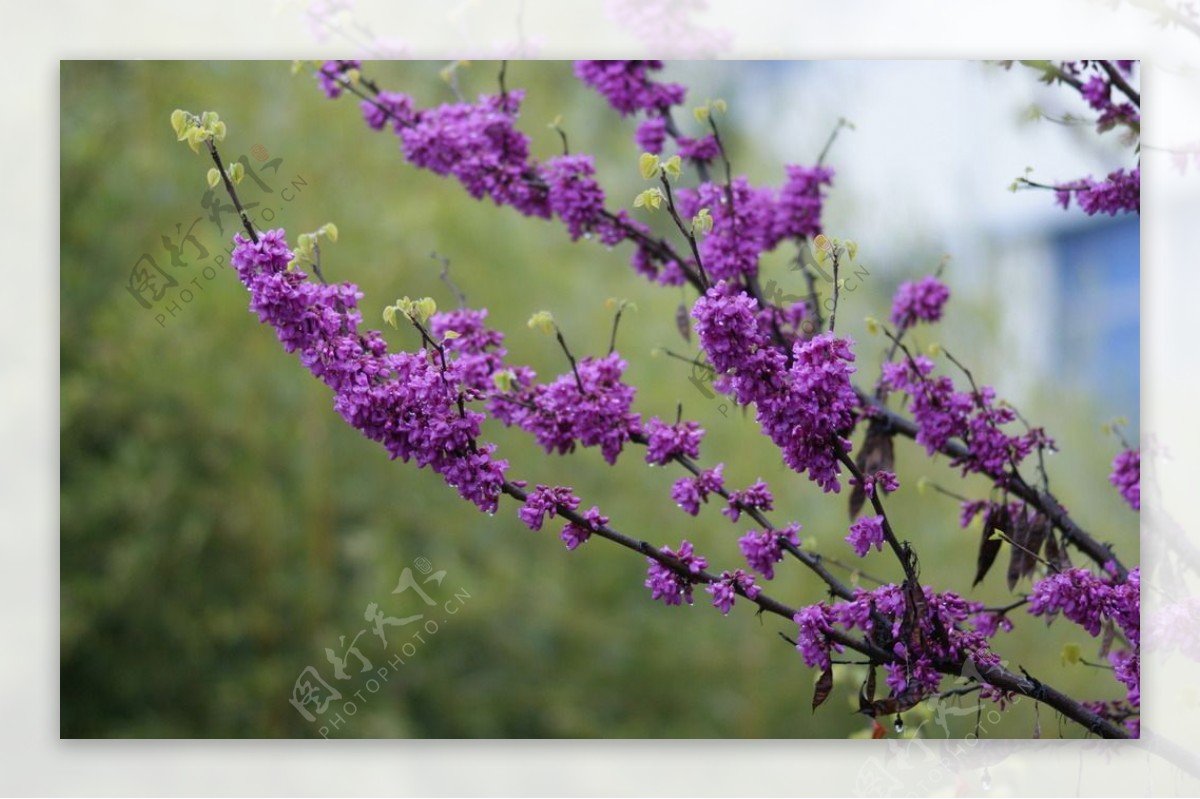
{"x":872,"y":325}
{"x":852,"y":249}
{"x":650,"y":198}
{"x":673,"y":166}
{"x":503,"y":380}
{"x":451,"y":335}
{"x":934,"y":349}
{"x":389,"y":315}
{"x":922,"y":484}
{"x":297,"y":66}
{"x":195,"y":137}
{"x":648,"y":165}
{"x":821,"y":255}
{"x":1070,"y":654}
{"x":556,"y":122}
{"x":208,"y":119}
{"x":214,"y":177}
{"x":329,"y":229}
{"x":610,"y":303}
{"x":542,"y":320}
{"x":292,"y":264}
{"x":719,"y":105}
{"x":702,"y":222}
{"x":353,"y":75}
{"x":218,"y":131}
{"x":179,"y":123}
{"x":424,"y":308}
{"x":822,"y":243}
{"x":405,"y":306}
{"x":237,"y":172}
{"x":700,"y":112}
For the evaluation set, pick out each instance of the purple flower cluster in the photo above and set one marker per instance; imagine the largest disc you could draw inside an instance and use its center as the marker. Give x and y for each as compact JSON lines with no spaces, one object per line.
{"x":627,"y":85}
{"x":726,"y":589}
{"x":1127,"y":476}
{"x":561,"y":416}
{"x":812,"y":640}
{"x":689,"y":492}
{"x":942,"y":413}
{"x":574,"y":195}
{"x":393,"y":106}
{"x":651,"y":135}
{"x":404,"y":401}
{"x":546,"y":501}
{"x":1120,"y":191}
{"x":763,"y":550}
{"x":921,"y":301}
{"x":477,"y":351}
{"x":756,"y":497}
{"x":573,"y":534}
{"x":667,"y":584}
{"x":883,"y":480}
{"x":741,"y":230}
{"x":331,"y":75}
{"x":808,"y":409}
{"x":798,"y":212}
{"x":943,"y":632}
{"x":1089,"y":601}
{"x":665,"y":441}
{"x":479,"y":146}
{"x":865,"y":533}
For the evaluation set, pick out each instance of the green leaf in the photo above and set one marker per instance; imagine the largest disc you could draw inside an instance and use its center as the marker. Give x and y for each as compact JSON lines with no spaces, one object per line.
{"x":179,"y":121}
{"x":648,"y":165}
{"x":237,"y":172}
{"x":702,"y":222}
{"x":542,"y":320}
{"x":329,"y":229}
{"x":1070,"y":654}
{"x":650,"y":198}
{"x":503,"y":380}
{"x":218,"y":131}
{"x":673,"y":166}
{"x":852,"y":249}
{"x":214,"y":177}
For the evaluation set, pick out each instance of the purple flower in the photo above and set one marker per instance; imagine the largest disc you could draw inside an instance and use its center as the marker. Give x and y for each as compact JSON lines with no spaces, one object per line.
{"x":574,"y":195}
{"x":703,"y":149}
{"x":882,"y":479}
{"x":739,"y":234}
{"x":806,"y":410}
{"x":388,"y":105}
{"x":1127,"y":476}
{"x":756,"y":497}
{"x":763,"y":550}
{"x":921,"y":301}
{"x":627,"y":85}
{"x":651,"y":135}
{"x":798,"y":211}
{"x":333,"y":73}
{"x":404,"y":401}
{"x":573,"y":534}
{"x":560,"y":416}
{"x":865,"y":533}
{"x":725,"y":589}
{"x":1077,"y":593}
{"x":689,"y":492}
{"x":669,"y":585}
{"x":666,"y":442}
{"x":480,"y":146}
{"x":543,"y":501}
{"x":812,"y":639}
{"x":1121,"y":191}
{"x":1095,"y":91}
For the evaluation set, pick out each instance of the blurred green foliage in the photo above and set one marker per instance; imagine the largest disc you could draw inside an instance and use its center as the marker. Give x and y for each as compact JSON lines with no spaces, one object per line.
{"x":221,"y":526}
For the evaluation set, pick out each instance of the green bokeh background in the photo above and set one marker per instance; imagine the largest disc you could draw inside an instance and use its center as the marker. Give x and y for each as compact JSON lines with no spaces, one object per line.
{"x":221,"y":526}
